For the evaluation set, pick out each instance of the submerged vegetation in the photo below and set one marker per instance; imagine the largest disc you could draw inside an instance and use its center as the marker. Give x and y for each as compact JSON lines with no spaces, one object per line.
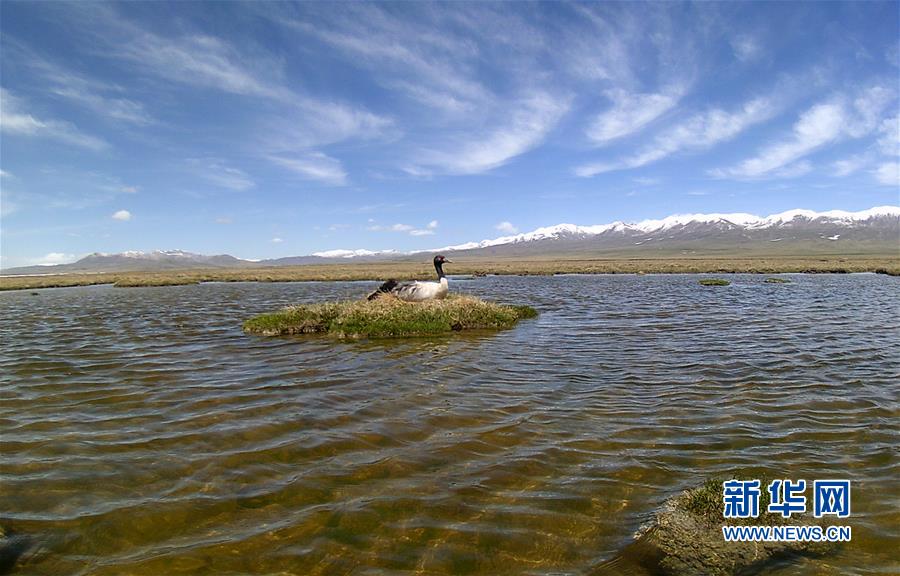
{"x":714,"y":282}
{"x":685,"y":537}
{"x":389,"y":318}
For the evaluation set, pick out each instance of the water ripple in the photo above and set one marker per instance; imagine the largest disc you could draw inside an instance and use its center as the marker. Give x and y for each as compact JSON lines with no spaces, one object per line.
{"x":143,"y":433}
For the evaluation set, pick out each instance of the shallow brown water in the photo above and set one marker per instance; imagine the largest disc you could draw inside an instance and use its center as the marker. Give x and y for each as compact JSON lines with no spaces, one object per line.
{"x":143,"y":433}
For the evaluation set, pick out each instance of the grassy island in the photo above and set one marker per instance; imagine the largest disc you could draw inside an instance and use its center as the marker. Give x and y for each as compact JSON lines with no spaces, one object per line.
{"x":389,"y":317}
{"x":714,"y":282}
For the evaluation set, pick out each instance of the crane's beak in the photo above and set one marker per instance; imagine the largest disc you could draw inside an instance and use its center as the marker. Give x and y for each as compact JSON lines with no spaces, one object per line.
{"x":447,"y":261}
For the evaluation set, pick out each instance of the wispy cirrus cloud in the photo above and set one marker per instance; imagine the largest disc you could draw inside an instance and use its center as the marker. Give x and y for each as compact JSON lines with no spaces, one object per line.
{"x":821,"y":125}
{"x":889,"y":136}
{"x":850,"y":165}
{"x":437,"y":59}
{"x":888,"y":173}
{"x":526,"y":126}
{"x":746,"y":48}
{"x":16,"y":120}
{"x":699,"y":131}
{"x":314,"y":166}
{"x":303,"y":122}
{"x":410,"y":56}
{"x":206,"y":61}
{"x":102,"y":98}
{"x":218,"y":172}
{"x":630,"y":113}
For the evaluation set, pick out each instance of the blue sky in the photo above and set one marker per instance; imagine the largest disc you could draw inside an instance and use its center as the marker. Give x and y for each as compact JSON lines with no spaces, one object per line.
{"x":266,"y":130}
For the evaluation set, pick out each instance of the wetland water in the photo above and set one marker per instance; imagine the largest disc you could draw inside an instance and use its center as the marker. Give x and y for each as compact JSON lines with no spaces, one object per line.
{"x":144,"y":433}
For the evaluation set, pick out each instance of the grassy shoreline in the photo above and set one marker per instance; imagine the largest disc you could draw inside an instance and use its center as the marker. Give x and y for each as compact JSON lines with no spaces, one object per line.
{"x":415,"y":270}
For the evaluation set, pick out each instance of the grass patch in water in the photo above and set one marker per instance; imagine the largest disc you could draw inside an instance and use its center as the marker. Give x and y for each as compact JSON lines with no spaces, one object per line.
{"x":685,"y":537}
{"x":706,"y":503}
{"x":777,"y":281}
{"x":389,"y":317}
{"x":714,"y":282}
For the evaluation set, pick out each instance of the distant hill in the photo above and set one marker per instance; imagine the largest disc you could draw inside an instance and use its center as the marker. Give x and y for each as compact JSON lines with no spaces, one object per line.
{"x":796,"y":232}
{"x":135,"y":260}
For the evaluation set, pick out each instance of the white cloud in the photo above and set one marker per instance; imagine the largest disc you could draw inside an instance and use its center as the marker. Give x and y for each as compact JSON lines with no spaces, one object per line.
{"x":821,"y":125}
{"x":398,"y":49}
{"x":223,"y":220}
{"x":412,"y":230}
{"x":889,"y":136}
{"x":99,"y":97}
{"x":888,"y":173}
{"x":112,"y":108}
{"x":527,"y":125}
{"x":130,"y":189}
{"x":54,"y":258}
{"x":851,"y":165}
{"x":217,"y":172}
{"x":867,"y":108}
{"x":209,"y":62}
{"x":198,"y":60}
{"x":506,"y":227}
{"x":794,"y":170}
{"x":14,"y":120}
{"x":745,"y":48}
{"x":630,"y":113}
{"x":5,"y":174}
{"x":277,"y":240}
{"x":816,"y":127}
{"x":315,"y":166}
{"x":122,"y":215}
{"x":699,"y":131}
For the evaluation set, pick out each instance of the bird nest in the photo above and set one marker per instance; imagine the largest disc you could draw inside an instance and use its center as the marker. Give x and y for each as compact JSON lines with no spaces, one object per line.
{"x":389,"y":317}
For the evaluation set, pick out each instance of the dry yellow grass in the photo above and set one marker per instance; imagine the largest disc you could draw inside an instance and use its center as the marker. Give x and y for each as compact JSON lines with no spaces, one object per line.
{"x":424,"y":270}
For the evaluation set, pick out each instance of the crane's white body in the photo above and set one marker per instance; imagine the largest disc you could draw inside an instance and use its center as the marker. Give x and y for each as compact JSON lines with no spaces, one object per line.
{"x":419,"y":291}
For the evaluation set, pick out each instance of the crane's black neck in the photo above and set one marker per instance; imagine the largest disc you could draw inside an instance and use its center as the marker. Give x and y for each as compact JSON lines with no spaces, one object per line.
{"x":440,"y":270}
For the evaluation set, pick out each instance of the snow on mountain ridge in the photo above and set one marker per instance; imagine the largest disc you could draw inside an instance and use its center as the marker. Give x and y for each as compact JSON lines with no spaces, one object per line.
{"x":741,"y":219}
{"x":351,"y":253}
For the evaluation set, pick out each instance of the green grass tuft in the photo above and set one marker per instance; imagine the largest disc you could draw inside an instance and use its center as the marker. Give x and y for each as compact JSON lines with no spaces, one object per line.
{"x":388,"y":317}
{"x":706,"y":502}
{"x":714,"y":282}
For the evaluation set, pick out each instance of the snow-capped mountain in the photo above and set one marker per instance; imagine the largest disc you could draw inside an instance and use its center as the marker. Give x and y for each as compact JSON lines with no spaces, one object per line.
{"x":134,"y":260}
{"x":799,"y":232}
{"x":165,"y":256}
{"x":685,"y":224}
{"x":161,"y":258}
